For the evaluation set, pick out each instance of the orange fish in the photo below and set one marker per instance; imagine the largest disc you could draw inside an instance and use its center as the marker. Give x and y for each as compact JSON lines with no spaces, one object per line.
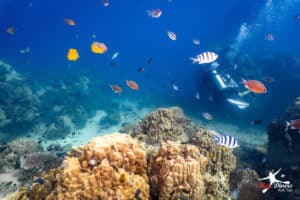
{"x":116,"y":88}
{"x":98,"y":47}
{"x":133,"y":85}
{"x":72,"y":54}
{"x":11,"y":30}
{"x":255,"y":86}
{"x":70,"y":22}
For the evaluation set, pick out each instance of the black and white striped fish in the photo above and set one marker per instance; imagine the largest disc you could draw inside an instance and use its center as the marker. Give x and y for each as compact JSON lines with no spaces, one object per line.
{"x":204,"y":58}
{"x":172,"y":35}
{"x":226,"y":140}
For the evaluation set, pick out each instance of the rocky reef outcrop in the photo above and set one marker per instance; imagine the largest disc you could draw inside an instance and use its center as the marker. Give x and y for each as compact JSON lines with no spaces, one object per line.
{"x":162,"y":125}
{"x":284,"y":149}
{"x":221,"y":164}
{"x":18,"y":105}
{"x":119,"y":166}
{"x":245,"y":185}
{"x":20,"y":161}
{"x":58,"y":129}
{"x":284,"y":144}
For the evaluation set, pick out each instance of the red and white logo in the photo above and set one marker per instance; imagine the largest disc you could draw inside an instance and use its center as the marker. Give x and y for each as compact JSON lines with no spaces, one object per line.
{"x":282,"y":186}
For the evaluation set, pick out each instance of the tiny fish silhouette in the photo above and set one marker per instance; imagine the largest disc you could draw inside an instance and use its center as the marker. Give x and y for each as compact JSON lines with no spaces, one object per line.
{"x":137,"y":194}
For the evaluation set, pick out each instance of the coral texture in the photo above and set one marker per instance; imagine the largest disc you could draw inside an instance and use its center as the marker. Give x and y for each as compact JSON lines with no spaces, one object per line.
{"x":58,"y":129}
{"x":176,"y":172}
{"x":221,"y":159}
{"x":114,"y":166}
{"x":221,"y":164}
{"x":36,"y":161}
{"x":17,"y":195}
{"x":20,"y":160}
{"x":247,"y":182}
{"x":162,"y":125}
{"x":284,"y":148}
{"x":23,"y":146}
{"x":108,"y":167}
{"x":41,"y":191}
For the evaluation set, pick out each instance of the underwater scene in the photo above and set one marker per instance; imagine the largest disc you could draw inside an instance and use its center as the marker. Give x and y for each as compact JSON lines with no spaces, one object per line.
{"x":150,"y":100}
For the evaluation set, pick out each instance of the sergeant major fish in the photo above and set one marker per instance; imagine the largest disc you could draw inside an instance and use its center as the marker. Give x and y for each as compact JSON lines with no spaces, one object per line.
{"x":171,"y":35}
{"x":207,"y":115}
{"x":226,"y":140}
{"x":204,"y":58}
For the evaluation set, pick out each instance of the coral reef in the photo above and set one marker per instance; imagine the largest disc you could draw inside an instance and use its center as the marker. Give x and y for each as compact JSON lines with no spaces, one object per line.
{"x":221,"y":164}
{"x":176,"y":172}
{"x":7,"y":73}
{"x":33,"y":163}
{"x":58,"y":129}
{"x":251,"y":156}
{"x":18,"y":105}
{"x":20,"y":160}
{"x":179,"y":161}
{"x":171,"y":124}
{"x":246,"y":184}
{"x":23,"y":146}
{"x":117,"y":171}
{"x":41,"y":191}
{"x":17,"y":195}
{"x":221,"y":158}
{"x":284,"y":149}
{"x":162,"y":125}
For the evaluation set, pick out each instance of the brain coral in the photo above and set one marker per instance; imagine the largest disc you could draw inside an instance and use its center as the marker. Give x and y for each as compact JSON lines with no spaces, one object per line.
{"x":117,"y":171}
{"x":176,"y":172}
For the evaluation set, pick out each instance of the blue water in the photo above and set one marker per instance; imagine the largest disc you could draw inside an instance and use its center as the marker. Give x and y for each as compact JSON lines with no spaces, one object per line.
{"x":125,"y":27}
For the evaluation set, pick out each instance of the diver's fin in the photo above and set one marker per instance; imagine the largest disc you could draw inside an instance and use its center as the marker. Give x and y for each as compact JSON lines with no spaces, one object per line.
{"x":244,"y":93}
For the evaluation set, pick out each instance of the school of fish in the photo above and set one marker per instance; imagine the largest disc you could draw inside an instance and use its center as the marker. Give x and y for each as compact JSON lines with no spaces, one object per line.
{"x":206,"y":57}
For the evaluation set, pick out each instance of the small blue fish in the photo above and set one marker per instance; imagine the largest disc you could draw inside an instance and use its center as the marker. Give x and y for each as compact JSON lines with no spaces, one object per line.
{"x":39,"y":180}
{"x":115,"y":55}
{"x":226,"y":140}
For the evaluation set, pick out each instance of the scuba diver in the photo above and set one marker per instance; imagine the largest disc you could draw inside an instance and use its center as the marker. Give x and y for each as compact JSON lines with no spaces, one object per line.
{"x":223,"y":89}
